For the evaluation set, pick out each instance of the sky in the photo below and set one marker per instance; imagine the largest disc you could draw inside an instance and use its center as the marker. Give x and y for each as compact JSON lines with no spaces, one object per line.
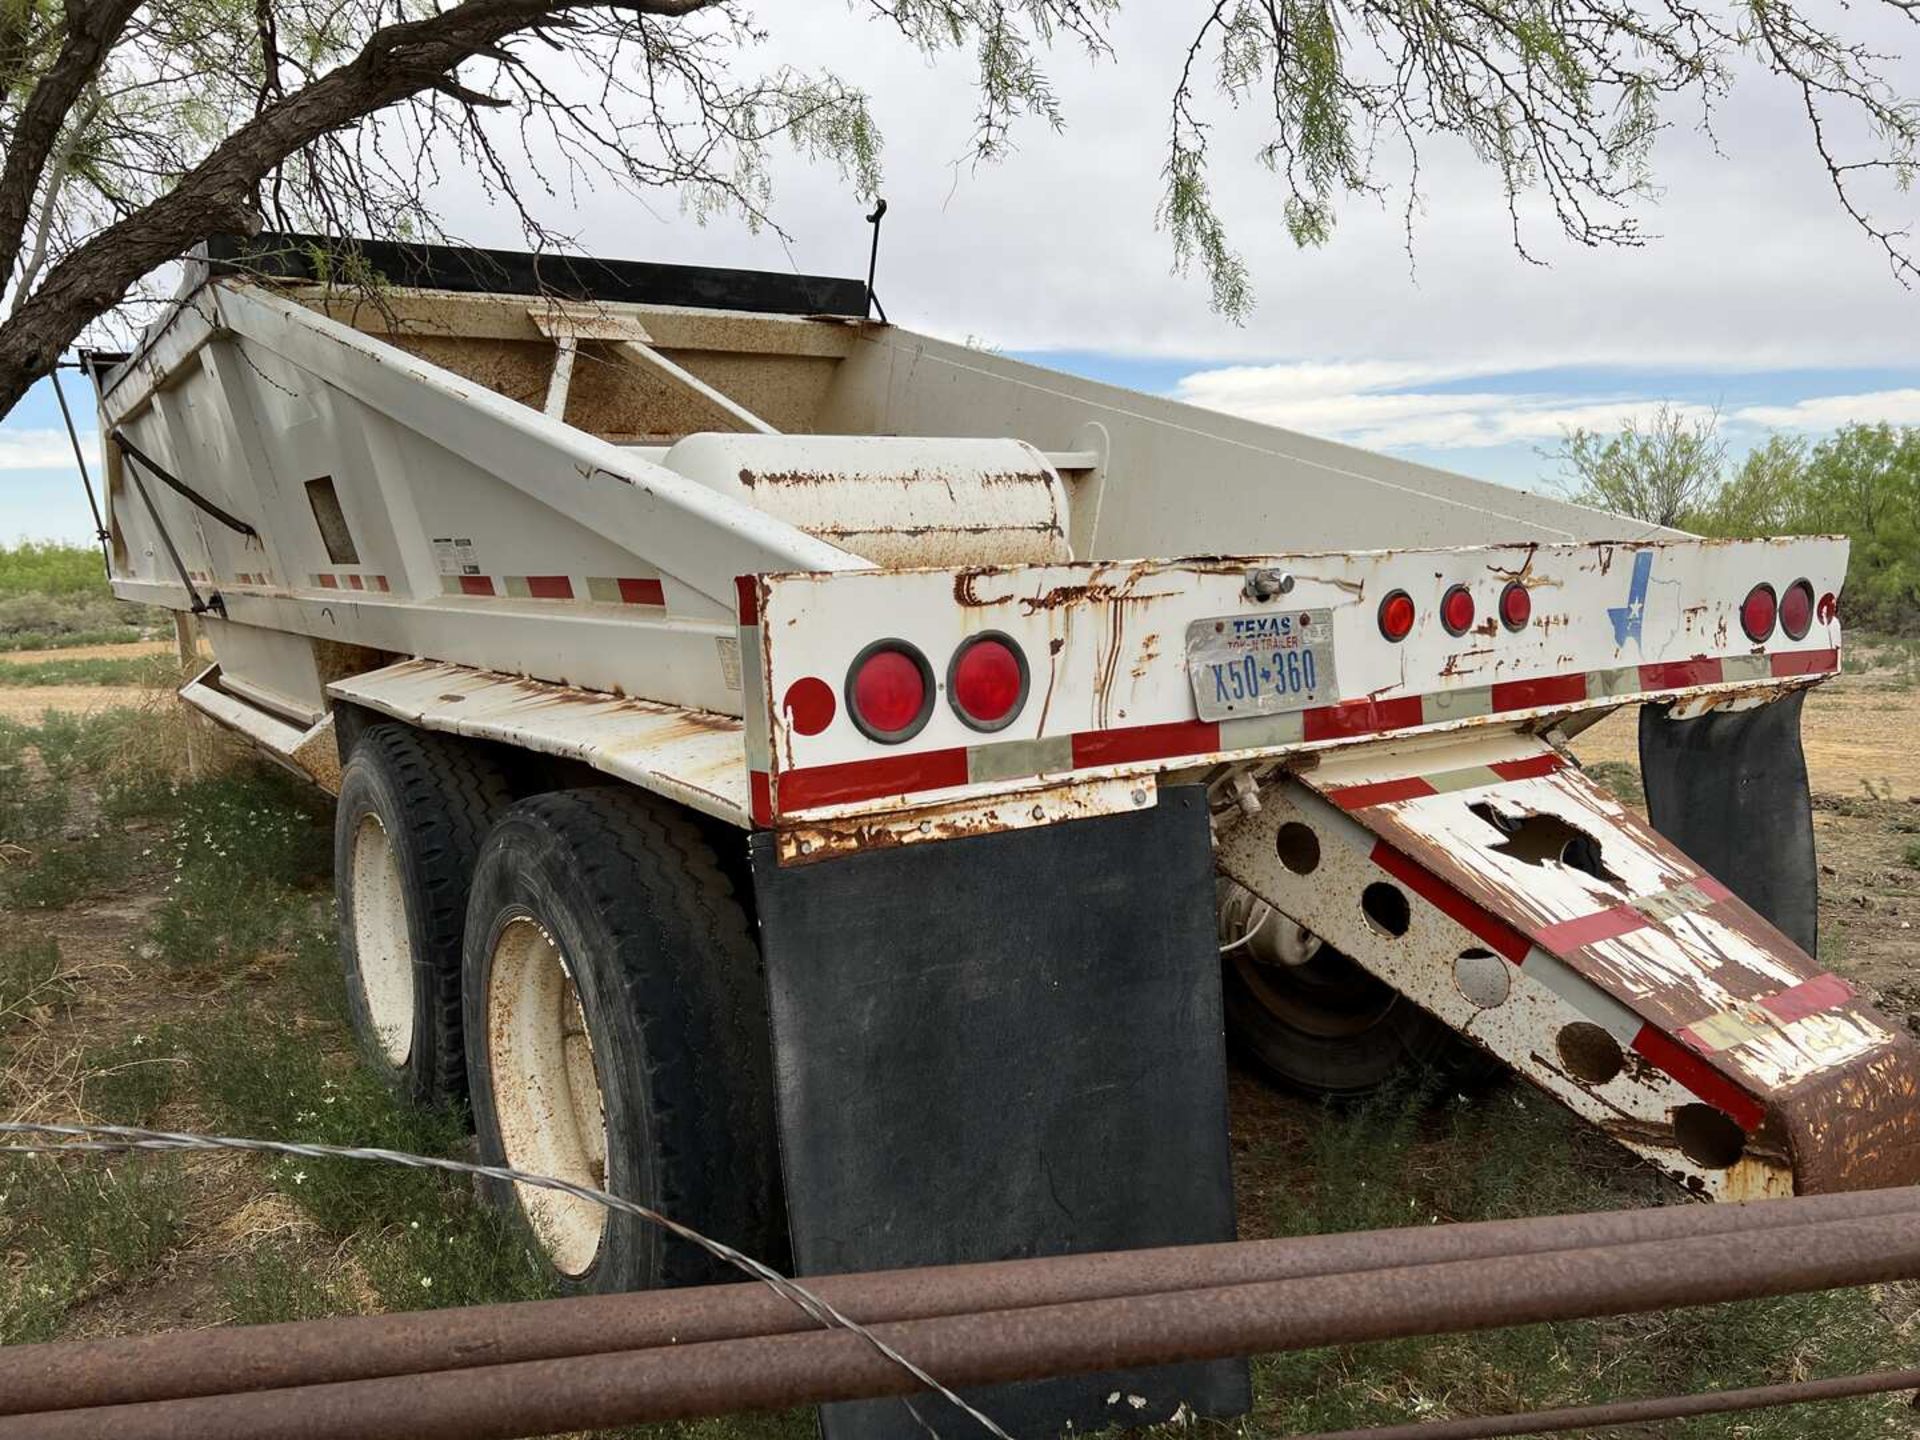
{"x":1754,"y":297}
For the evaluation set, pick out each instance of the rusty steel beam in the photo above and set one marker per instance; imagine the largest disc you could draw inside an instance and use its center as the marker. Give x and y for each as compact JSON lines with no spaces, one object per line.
{"x":120,"y":1371}
{"x":1637,"y":1412}
{"x":500,"y":1402}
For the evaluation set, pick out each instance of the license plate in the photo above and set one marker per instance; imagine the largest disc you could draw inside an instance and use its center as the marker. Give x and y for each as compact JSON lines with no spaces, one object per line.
{"x":1261,"y":664}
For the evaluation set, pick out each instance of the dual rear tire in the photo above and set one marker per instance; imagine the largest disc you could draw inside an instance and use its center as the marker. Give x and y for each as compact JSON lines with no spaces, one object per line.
{"x":575,"y":967}
{"x":616,"y":1037}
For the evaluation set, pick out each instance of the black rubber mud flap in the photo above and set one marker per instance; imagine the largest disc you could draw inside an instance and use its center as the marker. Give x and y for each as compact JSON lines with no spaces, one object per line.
{"x":1001,"y":1046}
{"x":1730,"y":789}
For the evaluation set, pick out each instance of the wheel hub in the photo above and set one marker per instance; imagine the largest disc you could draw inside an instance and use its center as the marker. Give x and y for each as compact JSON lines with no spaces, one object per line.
{"x":546,"y":1090}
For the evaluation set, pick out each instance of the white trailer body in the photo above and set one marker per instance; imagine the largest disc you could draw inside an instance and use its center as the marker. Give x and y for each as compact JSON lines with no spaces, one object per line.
{"x":723,"y":539}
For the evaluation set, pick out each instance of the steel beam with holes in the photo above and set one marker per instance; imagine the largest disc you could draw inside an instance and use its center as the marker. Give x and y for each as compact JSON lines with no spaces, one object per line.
{"x":1554,"y":927}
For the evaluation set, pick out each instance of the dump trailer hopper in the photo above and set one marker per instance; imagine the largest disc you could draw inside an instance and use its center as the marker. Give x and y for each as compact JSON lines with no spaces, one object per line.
{"x":843,"y":787}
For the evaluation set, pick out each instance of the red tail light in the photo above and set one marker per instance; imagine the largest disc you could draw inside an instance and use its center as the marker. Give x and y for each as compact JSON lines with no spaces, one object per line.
{"x":1796,"y":610}
{"x":1758,"y":612}
{"x":1516,"y":606}
{"x":1396,"y":615}
{"x":987,"y":682}
{"x":890,"y":691}
{"x":1456,"y":610}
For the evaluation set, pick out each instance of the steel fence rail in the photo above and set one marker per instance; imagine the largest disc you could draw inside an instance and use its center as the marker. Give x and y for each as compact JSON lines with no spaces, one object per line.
{"x":1637,"y":1412}
{"x":64,"y":1375}
{"x":775,"y":1371}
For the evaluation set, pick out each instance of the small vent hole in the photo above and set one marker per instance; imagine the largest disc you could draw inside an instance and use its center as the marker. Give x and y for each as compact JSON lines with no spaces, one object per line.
{"x":1385,"y":907}
{"x":1299,"y":848}
{"x":1708,"y":1137}
{"x":1589,"y":1052}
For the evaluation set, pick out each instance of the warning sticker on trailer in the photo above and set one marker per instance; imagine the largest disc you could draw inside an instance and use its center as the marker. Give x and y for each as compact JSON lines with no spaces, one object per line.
{"x":1261,"y":664}
{"x":454,"y":556}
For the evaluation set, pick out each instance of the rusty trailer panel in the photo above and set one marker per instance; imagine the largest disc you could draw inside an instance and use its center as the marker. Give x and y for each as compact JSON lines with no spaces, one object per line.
{"x":693,"y":756}
{"x":1553,"y":926}
{"x":1112,"y":688}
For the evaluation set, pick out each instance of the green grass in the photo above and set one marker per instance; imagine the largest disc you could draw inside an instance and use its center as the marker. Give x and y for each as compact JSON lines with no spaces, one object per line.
{"x":1395,"y":1161}
{"x":1621,"y":777}
{"x":1912,"y":854}
{"x":31,"y":977}
{"x":73,"y":1230}
{"x":120,"y":670}
{"x":54,"y":853}
{"x":242,"y":849}
{"x":130,"y":1083}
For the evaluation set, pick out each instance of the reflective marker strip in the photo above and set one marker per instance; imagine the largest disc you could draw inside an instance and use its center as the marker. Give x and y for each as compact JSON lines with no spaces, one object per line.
{"x":1685,"y":1066}
{"x":1699,"y":892}
{"x":1803,"y":662}
{"x":755,"y":722}
{"x":1809,"y":997}
{"x":1181,"y":739}
{"x":539,"y":587}
{"x":1732,"y":1028}
{"x":1666,"y":1054}
{"x":1497,"y":934}
{"x":625,"y":590}
{"x":1442,"y":782}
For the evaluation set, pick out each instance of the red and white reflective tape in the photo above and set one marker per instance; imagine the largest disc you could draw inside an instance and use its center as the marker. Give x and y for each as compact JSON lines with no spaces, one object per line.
{"x":351,"y":580}
{"x":1684,"y":1066}
{"x":851,"y":781}
{"x":588,"y":589}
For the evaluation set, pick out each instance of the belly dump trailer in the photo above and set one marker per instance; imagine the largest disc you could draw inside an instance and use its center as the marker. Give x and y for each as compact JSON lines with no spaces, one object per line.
{"x":846,"y":788}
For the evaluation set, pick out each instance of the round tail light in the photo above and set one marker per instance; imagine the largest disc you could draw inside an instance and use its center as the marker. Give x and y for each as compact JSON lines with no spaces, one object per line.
{"x":1516,"y":606}
{"x":890,"y":691}
{"x":987,"y":682}
{"x":1396,"y":615}
{"x":1796,"y":610}
{"x":1758,"y":612}
{"x":1456,"y":610}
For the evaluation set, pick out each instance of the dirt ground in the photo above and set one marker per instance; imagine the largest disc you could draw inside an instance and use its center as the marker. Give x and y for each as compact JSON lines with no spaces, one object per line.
{"x":30,"y":702}
{"x":1859,"y":739}
{"x":137,"y":650}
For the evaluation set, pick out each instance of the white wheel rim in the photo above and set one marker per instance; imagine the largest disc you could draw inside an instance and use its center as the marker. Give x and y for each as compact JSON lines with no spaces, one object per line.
{"x":546,"y":1090}
{"x":382,"y":951}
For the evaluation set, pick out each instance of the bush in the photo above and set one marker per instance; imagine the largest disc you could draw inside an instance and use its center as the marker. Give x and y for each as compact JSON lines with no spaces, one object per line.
{"x":49,"y":567}
{"x":1863,"y":482}
{"x":53,"y":594}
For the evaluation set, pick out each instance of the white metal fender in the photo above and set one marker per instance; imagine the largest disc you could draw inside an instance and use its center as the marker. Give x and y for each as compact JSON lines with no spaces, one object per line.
{"x":1537,"y":915}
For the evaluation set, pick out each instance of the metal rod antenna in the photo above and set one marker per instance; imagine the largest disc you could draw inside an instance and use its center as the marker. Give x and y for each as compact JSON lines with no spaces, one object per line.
{"x":873,"y":259}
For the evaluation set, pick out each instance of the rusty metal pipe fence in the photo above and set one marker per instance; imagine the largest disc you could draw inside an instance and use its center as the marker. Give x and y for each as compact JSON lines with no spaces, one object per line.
{"x":179,"y":1365}
{"x":733,"y":1348}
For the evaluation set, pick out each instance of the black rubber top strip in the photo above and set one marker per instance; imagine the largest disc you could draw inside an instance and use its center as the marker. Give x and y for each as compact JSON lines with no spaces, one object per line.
{"x":513,"y":272}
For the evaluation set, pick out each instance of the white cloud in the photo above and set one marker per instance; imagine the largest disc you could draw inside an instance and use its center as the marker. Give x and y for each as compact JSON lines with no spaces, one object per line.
{"x":1379,"y":405}
{"x":1750,"y":264}
{"x":41,"y":449}
{"x":1829,"y":412}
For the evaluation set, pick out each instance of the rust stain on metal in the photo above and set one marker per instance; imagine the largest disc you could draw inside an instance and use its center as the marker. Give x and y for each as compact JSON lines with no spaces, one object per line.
{"x":811,"y":842}
{"x":1149,"y":652}
{"x":1523,"y":572}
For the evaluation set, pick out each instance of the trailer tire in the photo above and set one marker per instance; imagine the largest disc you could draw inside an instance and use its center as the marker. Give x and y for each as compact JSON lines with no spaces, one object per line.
{"x":412,"y":811}
{"x":605,"y":908}
{"x":1328,"y":1028}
